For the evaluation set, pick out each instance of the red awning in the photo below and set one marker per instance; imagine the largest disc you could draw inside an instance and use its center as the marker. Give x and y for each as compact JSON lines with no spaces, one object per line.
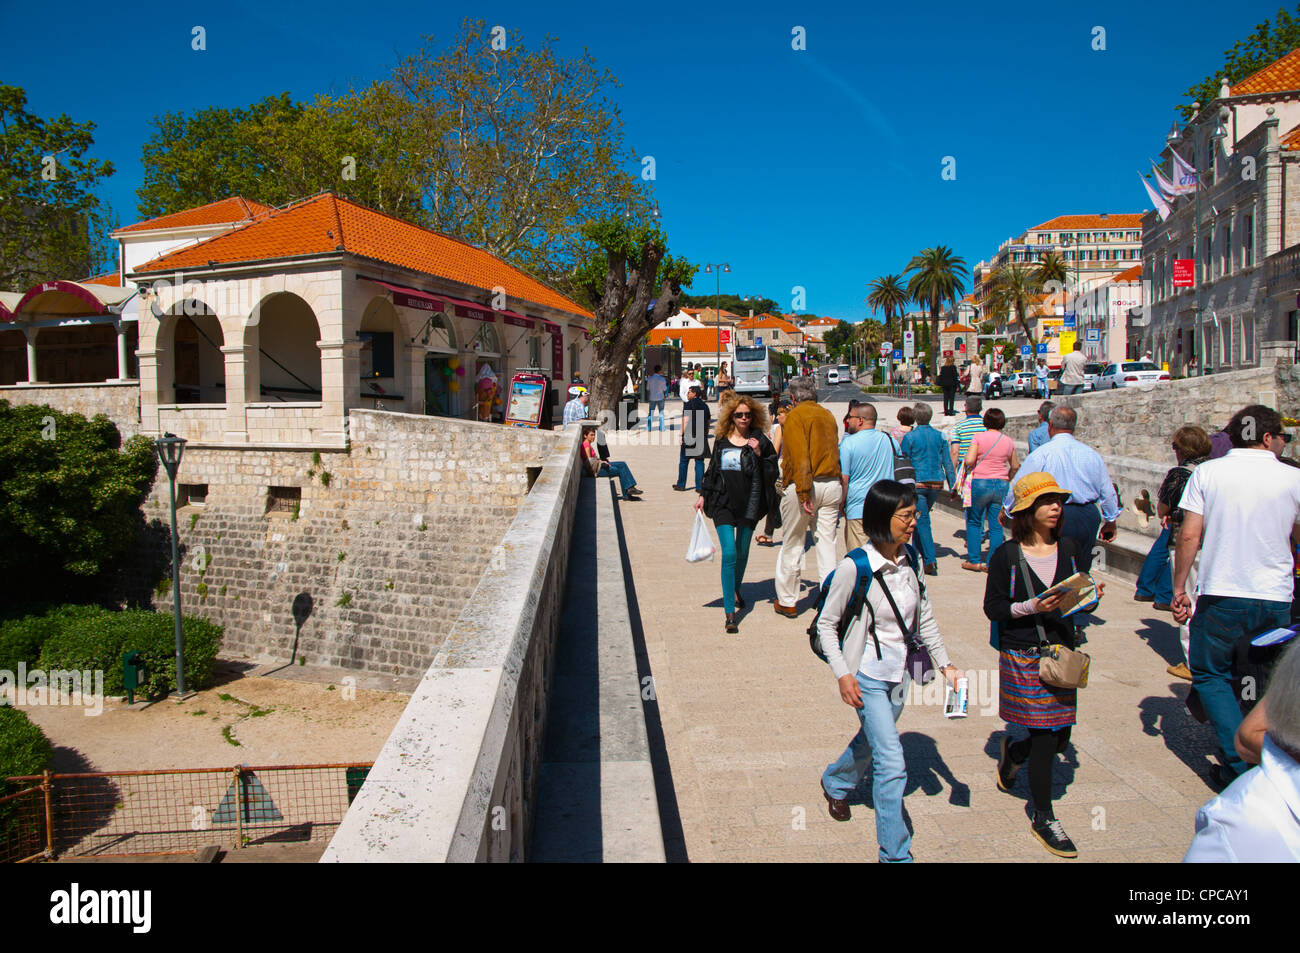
{"x":475,"y":312}
{"x":516,"y":319}
{"x":550,"y":327}
{"x":411,"y":297}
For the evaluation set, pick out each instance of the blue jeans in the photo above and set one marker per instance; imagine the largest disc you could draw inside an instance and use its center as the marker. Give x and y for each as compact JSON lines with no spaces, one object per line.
{"x":1156,"y":578}
{"x":925,"y":498}
{"x":625,"y":479}
{"x":681,"y":469}
{"x":986,"y":499}
{"x":1218,"y":623}
{"x":650,"y":416}
{"x":734,"y":543}
{"x":877,"y":741}
{"x":1067,"y":389}
{"x":1042,"y":389}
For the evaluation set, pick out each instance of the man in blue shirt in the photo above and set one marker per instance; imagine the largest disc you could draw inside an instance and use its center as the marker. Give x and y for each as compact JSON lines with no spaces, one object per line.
{"x":1038,"y":436}
{"x":925,"y":447}
{"x":866,"y":457}
{"x":1081,"y":470}
{"x":576,"y":409}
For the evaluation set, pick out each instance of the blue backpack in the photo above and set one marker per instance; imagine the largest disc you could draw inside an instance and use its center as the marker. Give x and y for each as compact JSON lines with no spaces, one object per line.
{"x":857,"y":602}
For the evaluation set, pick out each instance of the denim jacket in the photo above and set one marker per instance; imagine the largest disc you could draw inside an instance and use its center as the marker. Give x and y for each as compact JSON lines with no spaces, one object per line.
{"x":929,"y":455}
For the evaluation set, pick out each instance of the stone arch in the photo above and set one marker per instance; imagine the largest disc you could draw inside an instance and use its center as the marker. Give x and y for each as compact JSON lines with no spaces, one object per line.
{"x":282,"y":344}
{"x":191,"y":365}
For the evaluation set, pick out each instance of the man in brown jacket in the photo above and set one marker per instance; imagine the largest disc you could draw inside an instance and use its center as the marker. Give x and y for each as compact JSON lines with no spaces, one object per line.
{"x":810,"y":470}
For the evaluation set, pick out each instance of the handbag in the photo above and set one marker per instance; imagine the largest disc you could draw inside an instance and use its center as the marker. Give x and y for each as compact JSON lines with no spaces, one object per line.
{"x":1058,"y":666}
{"x":964,"y":483}
{"x":918,"y":663}
{"x":904,"y":472}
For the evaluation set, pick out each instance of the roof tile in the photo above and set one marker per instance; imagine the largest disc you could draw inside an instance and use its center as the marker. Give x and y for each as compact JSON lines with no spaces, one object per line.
{"x":226,"y":211}
{"x":1282,"y":74}
{"x":1114,"y":220}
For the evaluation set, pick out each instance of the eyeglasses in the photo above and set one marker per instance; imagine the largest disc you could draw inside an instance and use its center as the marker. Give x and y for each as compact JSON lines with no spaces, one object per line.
{"x":743,"y":414}
{"x":907,"y":516}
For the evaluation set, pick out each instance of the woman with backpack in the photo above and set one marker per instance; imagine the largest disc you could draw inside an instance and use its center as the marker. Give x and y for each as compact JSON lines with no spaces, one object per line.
{"x":869,"y":664}
{"x":1034,"y":559}
{"x":738,"y":490}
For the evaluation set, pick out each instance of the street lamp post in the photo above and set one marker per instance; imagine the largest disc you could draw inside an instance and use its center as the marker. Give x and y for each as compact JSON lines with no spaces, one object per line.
{"x":170,"y":449}
{"x":717,"y":272}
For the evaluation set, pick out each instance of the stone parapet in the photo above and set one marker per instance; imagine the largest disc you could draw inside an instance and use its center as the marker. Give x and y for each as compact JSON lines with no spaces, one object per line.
{"x":456,"y":780}
{"x":119,"y":400}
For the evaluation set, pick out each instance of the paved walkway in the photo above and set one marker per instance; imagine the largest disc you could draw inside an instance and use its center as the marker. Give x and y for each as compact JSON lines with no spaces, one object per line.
{"x":751,"y":720}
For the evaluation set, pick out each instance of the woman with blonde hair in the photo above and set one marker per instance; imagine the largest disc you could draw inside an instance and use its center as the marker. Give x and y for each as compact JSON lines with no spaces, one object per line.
{"x":738,"y":490}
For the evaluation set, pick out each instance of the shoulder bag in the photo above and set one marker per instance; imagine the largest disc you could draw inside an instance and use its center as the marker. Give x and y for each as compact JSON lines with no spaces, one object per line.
{"x":919,"y":665}
{"x":1058,"y":666}
{"x":964,"y":481}
{"x":904,"y":472}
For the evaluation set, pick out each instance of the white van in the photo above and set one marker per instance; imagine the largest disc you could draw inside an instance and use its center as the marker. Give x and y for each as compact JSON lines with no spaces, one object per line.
{"x":832,"y":376}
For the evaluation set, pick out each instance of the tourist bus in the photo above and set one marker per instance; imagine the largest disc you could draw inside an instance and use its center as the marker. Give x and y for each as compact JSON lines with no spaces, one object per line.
{"x":758,"y":370}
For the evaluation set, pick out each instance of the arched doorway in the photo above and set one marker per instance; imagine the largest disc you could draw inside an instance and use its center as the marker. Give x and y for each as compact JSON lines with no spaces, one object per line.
{"x":384,"y":367}
{"x":443,"y":378}
{"x":282,"y":334}
{"x":193,"y":369}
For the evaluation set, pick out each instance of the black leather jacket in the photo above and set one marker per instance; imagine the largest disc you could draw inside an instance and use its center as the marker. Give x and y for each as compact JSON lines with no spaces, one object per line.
{"x":759,"y":469}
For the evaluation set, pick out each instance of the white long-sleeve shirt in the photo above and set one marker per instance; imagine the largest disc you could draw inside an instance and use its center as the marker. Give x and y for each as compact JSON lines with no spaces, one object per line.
{"x":904,"y":587}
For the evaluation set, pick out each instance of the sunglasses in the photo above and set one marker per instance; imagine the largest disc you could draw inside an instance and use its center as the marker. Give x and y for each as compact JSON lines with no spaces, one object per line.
{"x":744,"y":414}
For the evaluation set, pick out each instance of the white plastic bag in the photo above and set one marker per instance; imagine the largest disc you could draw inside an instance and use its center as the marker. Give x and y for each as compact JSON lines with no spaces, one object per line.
{"x":701,"y":547}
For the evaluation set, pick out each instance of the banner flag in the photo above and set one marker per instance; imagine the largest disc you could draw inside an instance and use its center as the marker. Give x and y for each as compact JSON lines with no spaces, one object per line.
{"x":1157,"y":200}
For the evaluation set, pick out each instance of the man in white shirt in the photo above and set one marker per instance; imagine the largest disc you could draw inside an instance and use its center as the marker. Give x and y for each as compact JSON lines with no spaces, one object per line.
{"x":656,"y":389}
{"x":1072,"y":369}
{"x":1257,"y":819}
{"x":1241,"y":511}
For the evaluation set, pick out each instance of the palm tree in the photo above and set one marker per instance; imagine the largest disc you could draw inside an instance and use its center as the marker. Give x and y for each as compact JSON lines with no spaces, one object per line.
{"x":889,"y":295}
{"x":1051,"y":268}
{"x":937,"y":277}
{"x":1015,"y":289}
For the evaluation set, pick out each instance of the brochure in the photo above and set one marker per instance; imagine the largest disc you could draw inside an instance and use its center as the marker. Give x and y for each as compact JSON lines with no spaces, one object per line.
{"x":1080,"y":592}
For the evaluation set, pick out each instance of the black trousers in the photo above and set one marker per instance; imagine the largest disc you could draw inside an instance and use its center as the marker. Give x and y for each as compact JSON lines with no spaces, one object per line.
{"x":949,"y":395}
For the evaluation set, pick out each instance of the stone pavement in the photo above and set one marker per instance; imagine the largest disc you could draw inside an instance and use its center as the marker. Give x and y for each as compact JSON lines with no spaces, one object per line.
{"x":751,"y":720}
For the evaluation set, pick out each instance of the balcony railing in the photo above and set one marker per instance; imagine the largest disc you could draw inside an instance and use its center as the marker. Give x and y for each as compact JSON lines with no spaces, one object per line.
{"x":1284,"y":265}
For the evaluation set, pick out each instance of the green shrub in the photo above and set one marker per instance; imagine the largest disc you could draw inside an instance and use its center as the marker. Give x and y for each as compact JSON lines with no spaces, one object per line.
{"x":24,"y":749}
{"x":97,"y":639}
{"x":21,"y":640}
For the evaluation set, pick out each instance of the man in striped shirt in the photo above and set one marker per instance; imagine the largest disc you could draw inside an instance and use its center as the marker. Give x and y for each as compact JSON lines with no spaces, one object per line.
{"x":966,"y":429}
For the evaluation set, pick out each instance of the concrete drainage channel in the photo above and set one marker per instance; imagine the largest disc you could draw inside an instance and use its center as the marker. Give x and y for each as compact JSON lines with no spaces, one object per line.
{"x":596,"y":798}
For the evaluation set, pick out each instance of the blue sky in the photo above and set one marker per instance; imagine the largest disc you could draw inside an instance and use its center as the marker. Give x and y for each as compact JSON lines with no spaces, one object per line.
{"x":817,"y":168}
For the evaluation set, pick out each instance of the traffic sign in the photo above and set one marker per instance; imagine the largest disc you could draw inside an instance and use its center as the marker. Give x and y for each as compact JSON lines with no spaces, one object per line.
{"x":1070,"y":319}
{"x":1092,"y":335}
{"x":1024,"y":349}
{"x":909,"y":344}
{"x":898,"y":355}
{"x":880,"y":362}
{"x":886,"y":347}
{"x":1042,"y":348}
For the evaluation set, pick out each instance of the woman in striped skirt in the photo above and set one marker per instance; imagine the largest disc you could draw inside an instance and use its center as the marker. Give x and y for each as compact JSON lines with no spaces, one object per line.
{"x":1016,"y":612}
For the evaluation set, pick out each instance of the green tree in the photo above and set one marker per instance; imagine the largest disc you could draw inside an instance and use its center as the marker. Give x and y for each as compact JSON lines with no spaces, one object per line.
{"x":512,"y":150}
{"x":890,"y":296}
{"x":1266,"y":44}
{"x":1015,"y":289}
{"x":52,"y":224}
{"x":736,"y":304}
{"x":937,"y":277}
{"x":837,"y":339}
{"x":631,"y":283}
{"x":1052,"y":271}
{"x":70,"y":493}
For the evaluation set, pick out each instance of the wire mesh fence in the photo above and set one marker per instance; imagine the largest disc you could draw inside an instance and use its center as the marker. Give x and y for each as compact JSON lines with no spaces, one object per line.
{"x":174,"y":811}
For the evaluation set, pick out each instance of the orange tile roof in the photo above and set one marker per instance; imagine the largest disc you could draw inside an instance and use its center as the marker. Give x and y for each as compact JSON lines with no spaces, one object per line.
{"x":1114,"y":220}
{"x":695,"y":340}
{"x":1281,"y":74}
{"x":222,"y":212}
{"x":110,"y":278}
{"x":1128,"y":275}
{"x":1291,"y":141}
{"x":327,"y":223}
{"x":767,"y":321}
{"x":819,"y":322}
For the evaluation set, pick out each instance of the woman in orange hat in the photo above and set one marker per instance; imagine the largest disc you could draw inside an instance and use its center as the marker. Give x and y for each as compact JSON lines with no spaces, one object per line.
{"x":1035,"y":558}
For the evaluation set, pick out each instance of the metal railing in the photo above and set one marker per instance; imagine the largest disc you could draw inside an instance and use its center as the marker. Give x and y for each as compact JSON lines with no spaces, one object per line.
{"x":174,"y":811}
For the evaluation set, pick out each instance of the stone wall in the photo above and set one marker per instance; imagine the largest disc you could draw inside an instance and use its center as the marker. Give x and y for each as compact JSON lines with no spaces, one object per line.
{"x":457,"y":779}
{"x":120,"y":401}
{"x":1136,"y":422}
{"x":387,"y":544}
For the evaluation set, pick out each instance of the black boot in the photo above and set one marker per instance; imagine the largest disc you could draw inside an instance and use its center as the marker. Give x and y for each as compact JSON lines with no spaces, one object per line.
{"x":732,"y":627}
{"x":1051,"y":835}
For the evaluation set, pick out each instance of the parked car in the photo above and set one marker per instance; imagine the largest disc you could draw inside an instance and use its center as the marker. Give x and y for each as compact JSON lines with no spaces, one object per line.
{"x":1025,"y":384}
{"x":1090,"y":374}
{"x":1129,"y":374}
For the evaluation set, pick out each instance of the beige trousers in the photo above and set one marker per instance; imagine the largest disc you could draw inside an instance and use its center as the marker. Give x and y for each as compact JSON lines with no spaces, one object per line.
{"x":825,"y":499}
{"x":854,"y":536}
